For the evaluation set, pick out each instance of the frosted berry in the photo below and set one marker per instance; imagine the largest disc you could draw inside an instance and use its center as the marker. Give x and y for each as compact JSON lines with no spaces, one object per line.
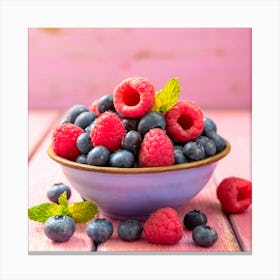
{"x":208,"y":145}
{"x":132,"y":141}
{"x":85,"y":119}
{"x":193,"y":151}
{"x":130,"y":124}
{"x":179,"y":155}
{"x":75,"y":111}
{"x":84,"y":143}
{"x":121,"y":158}
{"x":54,"y":191}
{"x":105,"y":103}
{"x":219,"y":141}
{"x":209,"y":126}
{"x":81,"y":159}
{"x":204,"y":236}
{"x":98,"y":156}
{"x":130,"y":230}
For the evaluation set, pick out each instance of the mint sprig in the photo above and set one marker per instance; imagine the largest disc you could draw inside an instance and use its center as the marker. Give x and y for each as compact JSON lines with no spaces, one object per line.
{"x":80,"y":212}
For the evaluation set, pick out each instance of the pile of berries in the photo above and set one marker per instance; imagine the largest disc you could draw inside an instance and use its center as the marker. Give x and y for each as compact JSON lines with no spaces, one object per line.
{"x":124,"y":129}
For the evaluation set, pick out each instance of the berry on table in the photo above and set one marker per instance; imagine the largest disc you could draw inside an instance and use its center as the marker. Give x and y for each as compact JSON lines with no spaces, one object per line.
{"x":235,"y":194}
{"x":163,"y":227}
{"x":84,"y":143}
{"x":156,"y":149}
{"x":75,"y":111}
{"x":64,"y":139}
{"x":184,"y":121}
{"x":59,"y":228}
{"x":204,"y":236}
{"x":208,"y":145}
{"x":193,"y":151}
{"x":54,"y":191}
{"x":130,"y":230}
{"x":85,"y":119}
{"x":121,"y":158}
{"x":132,"y":141}
{"x":105,"y":103}
{"x":134,"y":97}
{"x":98,"y":156}
{"x":194,"y":218}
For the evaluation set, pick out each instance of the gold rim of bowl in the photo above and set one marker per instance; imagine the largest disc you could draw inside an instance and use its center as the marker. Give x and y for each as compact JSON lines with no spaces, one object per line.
{"x":138,"y":170}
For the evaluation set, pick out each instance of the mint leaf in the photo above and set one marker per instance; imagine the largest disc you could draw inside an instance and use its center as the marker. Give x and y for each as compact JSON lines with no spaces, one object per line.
{"x":167,"y":97}
{"x":63,"y":202}
{"x":42,"y":212}
{"x":82,"y":212}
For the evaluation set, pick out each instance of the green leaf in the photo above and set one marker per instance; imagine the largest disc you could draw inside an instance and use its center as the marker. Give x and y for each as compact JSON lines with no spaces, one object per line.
{"x":42,"y":212}
{"x":63,"y":202}
{"x":82,"y":212}
{"x":167,"y":97}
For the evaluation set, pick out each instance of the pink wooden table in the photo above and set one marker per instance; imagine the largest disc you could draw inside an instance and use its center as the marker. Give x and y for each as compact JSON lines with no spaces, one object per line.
{"x":234,"y":231}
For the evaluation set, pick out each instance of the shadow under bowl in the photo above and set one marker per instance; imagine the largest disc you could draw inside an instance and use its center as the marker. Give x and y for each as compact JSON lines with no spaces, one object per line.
{"x":133,"y":193}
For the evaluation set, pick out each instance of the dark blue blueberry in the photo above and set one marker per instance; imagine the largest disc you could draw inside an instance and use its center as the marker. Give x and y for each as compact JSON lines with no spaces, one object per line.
{"x":204,"y":236}
{"x":179,"y":155}
{"x":132,"y":141}
{"x":193,"y":151}
{"x":121,"y":158}
{"x":209,"y":125}
{"x":75,"y":111}
{"x":59,"y":228}
{"x":130,"y":124}
{"x":130,"y":230}
{"x":194,"y":218}
{"x":105,"y":103}
{"x":208,"y":144}
{"x":218,"y":140}
{"x":88,"y":128}
{"x":85,"y":119}
{"x":81,"y":159}
{"x":99,"y":156}
{"x":84,"y":143}
{"x":54,"y":192}
{"x":151,"y":120}
{"x":99,"y":230}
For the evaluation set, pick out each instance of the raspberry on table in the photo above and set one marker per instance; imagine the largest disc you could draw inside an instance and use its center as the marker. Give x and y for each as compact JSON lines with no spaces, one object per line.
{"x":64,"y":139}
{"x":184,"y":121}
{"x":235,"y":194}
{"x":163,"y":227}
{"x":134,"y":97}
{"x":107,"y":131}
{"x":156,"y":149}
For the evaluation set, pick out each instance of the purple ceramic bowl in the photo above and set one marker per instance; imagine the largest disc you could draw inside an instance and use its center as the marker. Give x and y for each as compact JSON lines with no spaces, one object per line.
{"x":133,"y":193}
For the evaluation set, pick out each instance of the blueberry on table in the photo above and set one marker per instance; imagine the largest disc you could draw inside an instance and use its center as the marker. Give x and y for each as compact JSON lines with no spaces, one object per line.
{"x":85,"y":119}
{"x":151,"y":120}
{"x":105,"y":103}
{"x":98,"y":156}
{"x":204,"y":236}
{"x":194,"y":151}
{"x":74,"y":111}
{"x":54,"y":191}
{"x":121,"y":158}
{"x":132,"y":141}
{"x":84,"y":143}
{"x":130,"y":230}
{"x":194,"y":218}
{"x":59,"y":228}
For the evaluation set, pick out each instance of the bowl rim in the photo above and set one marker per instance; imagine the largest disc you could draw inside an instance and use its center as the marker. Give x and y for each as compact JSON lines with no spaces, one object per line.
{"x":138,"y":170}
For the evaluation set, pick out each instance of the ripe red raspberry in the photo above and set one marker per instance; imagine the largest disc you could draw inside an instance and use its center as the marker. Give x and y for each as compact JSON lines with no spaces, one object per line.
{"x":235,"y":194}
{"x":184,"y":121}
{"x":156,"y":149}
{"x":64,"y":140}
{"x":163,"y":227}
{"x":134,"y":97}
{"x":93,"y":107}
{"x":108,"y":131}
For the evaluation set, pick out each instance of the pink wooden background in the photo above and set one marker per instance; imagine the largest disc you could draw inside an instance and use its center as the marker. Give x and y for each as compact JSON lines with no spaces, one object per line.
{"x":78,"y":65}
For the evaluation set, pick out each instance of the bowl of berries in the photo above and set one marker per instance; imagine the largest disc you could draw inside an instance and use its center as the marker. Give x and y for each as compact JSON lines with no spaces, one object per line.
{"x":136,"y":150}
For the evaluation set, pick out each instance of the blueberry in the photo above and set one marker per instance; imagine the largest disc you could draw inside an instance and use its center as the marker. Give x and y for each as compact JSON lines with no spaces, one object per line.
{"x":208,"y":144}
{"x":84,"y":143}
{"x":82,"y":159}
{"x":179,"y":155}
{"x":74,"y":111}
{"x":99,"y":230}
{"x":194,"y":218}
{"x":130,"y":230}
{"x":132,"y":141}
{"x":121,"y":158}
{"x":209,"y":125}
{"x":88,"y":128}
{"x":151,"y":120}
{"x":193,"y":151}
{"x":59,"y":228}
{"x":54,"y":192}
{"x":130,"y":124}
{"x":218,"y":140}
{"x":63,"y":120}
{"x":204,"y":236}
{"x":105,"y":103}
{"x":99,"y":156}
{"x":85,"y":119}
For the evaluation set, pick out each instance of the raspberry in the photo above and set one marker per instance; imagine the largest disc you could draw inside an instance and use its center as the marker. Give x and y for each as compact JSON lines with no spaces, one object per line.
{"x":156,"y":149}
{"x":64,"y":140}
{"x":134,"y":97}
{"x":163,"y":227}
{"x":107,"y":131}
{"x":235,"y":194}
{"x":93,"y":107}
{"x":184,"y":122}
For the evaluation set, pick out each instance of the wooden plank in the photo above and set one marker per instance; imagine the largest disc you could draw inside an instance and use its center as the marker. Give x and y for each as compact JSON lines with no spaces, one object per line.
{"x":44,"y":172}
{"x":39,"y":122}
{"x":235,"y":126}
{"x":204,"y":201}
